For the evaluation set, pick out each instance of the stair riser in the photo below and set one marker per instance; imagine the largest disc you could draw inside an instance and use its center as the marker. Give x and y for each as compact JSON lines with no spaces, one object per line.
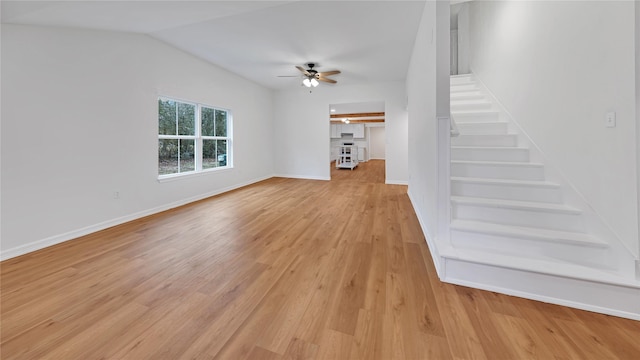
{"x":483,"y":128}
{"x":458,"y":80}
{"x":469,"y":95}
{"x":517,"y":217}
{"x":485,"y":140}
{"x":475,"y":117}
{"x":498,"y":171}
{"x":574,"y":253}
{"x":511,"y":155}
{"x":463,"y":88}
{"x":470,"y":106}
{"x":616,"y":300}
{"x":507,"y":192}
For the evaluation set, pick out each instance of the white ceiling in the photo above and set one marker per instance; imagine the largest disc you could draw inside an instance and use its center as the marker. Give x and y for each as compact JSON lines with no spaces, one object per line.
{"x":367,"y":40}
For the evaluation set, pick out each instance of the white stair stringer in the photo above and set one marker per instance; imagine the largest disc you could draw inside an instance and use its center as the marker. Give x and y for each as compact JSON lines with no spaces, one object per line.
{"x":512,"y":230}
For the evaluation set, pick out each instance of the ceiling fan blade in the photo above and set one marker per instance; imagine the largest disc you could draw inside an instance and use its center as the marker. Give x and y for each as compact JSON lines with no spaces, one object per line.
{"x":327,"y":80}
{"x":328,"y":73}
{"x":303,"y":70}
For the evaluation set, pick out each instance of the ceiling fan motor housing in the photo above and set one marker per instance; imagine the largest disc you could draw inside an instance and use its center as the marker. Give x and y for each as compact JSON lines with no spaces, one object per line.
{"x":311,"y":71}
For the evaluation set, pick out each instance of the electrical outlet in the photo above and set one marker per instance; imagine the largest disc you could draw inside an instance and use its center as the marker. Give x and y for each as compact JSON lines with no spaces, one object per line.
{"x":610,"y":119}
{"x":116,"y":194}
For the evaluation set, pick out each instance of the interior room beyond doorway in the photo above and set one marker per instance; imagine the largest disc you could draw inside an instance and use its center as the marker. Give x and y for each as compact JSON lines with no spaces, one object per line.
{"x":357,"y":135}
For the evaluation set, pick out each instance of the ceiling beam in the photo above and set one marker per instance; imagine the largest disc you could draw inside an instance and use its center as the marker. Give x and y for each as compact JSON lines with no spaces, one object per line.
{"x":355,"y":115}
{"x":358,"y":121}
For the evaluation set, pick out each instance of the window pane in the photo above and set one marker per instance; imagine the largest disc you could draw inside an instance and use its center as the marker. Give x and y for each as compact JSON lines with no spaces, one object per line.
{"x":221,"y":123}
{"x":167,"y":156}
{"x":209,"y":157}
{"x":166,"y":117}
{"x":186,"y":119}
{"x":207,"y":122}
{"x":187,"y":156}
{"x":221,"y":151}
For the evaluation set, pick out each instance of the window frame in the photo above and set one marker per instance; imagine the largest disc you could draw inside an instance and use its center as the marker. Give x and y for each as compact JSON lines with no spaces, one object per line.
{"x":197,"y":137}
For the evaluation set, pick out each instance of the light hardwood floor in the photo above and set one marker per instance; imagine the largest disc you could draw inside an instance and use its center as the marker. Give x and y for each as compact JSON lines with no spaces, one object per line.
{"x":282,"y":269}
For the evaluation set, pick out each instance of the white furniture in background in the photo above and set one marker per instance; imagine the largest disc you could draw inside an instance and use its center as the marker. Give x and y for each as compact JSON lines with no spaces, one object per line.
{"x":347,"y":157}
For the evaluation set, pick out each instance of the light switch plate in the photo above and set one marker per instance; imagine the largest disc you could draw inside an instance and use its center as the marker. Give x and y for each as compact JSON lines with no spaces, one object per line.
{"x":610,"y":119}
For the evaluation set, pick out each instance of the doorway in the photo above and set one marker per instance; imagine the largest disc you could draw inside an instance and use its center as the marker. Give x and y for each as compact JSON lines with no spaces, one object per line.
{"x":377,"y":143}
{"x":361,"y":127}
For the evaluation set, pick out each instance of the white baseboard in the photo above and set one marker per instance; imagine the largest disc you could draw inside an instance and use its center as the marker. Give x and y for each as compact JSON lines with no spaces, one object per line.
{"x":57,"y":239}
{"x":304,"y":177}
{"x":611,"y":299}
{"x":431,"y":243}
{"x":396,"y":182}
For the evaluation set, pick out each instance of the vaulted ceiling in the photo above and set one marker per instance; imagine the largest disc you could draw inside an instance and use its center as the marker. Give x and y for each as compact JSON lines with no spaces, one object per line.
{"x":260,"y":40}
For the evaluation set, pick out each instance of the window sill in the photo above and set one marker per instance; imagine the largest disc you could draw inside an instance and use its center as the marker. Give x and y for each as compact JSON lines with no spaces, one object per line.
{"x":173,"y":177}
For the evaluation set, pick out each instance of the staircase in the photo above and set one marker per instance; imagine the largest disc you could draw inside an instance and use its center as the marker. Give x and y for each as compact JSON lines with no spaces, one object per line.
{"x":509,"y":222}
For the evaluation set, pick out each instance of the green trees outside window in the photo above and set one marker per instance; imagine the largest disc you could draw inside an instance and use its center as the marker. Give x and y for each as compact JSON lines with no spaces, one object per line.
{"x":191,"y":137}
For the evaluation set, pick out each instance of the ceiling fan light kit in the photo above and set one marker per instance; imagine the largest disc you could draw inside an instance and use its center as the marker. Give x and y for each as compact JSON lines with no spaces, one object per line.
{"x":309,"y":82}
{"x":313,"y":77}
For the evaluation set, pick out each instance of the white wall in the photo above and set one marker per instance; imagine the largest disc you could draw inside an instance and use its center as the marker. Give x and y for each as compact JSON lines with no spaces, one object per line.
{"x":558,"y":79}
{"x":463,"y":39}
{"x":79,"y":122}
{"x":637,"y":47}
{"x":377,"y":144}
{"x":423,"y":155}
{"x":453,"y":48}
{"x":301,"y":128}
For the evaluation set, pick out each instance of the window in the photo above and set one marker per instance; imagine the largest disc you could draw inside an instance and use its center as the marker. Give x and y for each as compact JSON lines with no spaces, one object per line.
{"x":191,"y":137}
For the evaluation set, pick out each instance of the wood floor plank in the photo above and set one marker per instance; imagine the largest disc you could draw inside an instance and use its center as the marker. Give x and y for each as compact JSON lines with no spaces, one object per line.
{"x":524,"y":340}
{"x":351,"y":294}
{"x":98,"y":334}
{"x":367,"y":342}
{"x":334,"y":345}
{"x":300,"y":350}
{"x":428,"y":318}
{"x":463,"y":337}
{"x":281,"y":269}
{"x":263,"y":354}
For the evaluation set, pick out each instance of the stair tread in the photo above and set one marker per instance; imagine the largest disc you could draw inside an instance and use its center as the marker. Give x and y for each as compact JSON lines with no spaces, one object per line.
{"x":467,"y":95}
{"x":470,"y":82}
{"x":502,"y":163}
{"x":489,"y":147}
{"x":480,"y":122}
{"x":505,"y":181}
{"x":473,"y":112}
{"x":476,"y":92}
{"x":527,"y":232}
{"x":515,"y":204}
{"x":464,"y":88}
{"x":471,"y":102}
{"x":540,"y":265}
{"x":486,"y":135}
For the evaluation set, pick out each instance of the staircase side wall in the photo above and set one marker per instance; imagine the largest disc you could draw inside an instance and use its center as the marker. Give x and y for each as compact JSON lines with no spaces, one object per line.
{"x":559,"y":79}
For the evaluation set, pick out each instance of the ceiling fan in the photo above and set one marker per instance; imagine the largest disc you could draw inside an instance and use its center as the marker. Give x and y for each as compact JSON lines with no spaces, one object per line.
{"x":312,"y":76}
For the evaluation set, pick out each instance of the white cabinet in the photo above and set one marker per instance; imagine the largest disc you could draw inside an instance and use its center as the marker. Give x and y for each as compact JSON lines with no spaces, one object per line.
{"x":335,"y":133}
{"x":358,"y":131}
